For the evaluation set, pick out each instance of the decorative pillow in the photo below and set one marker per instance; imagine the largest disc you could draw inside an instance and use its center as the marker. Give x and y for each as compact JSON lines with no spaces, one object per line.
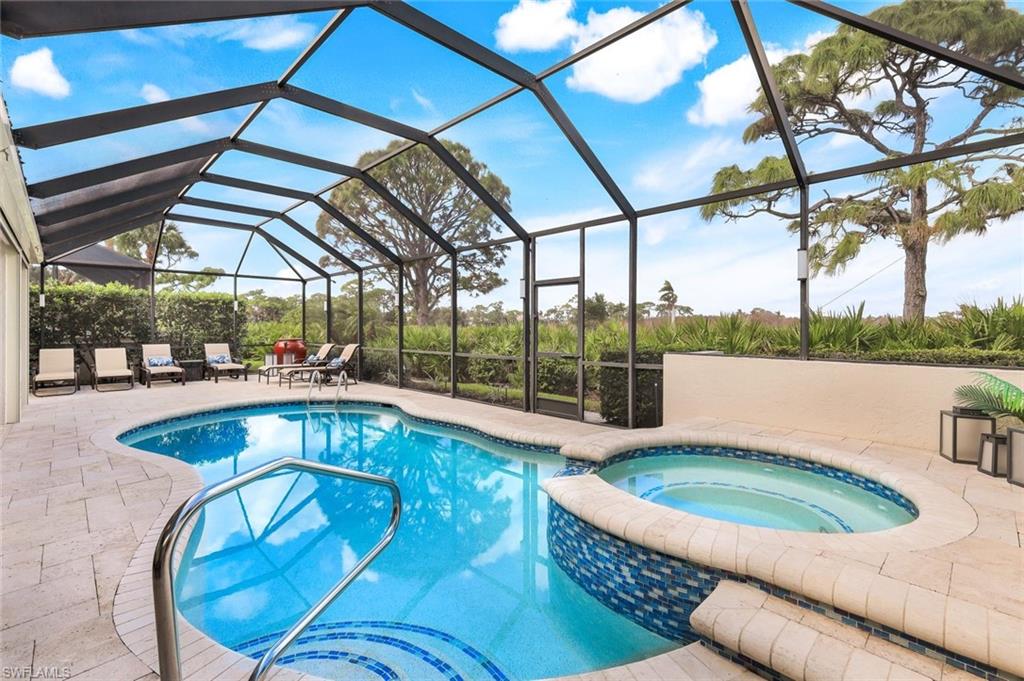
{"x":159,"y":361}
{"x":312,"y":359}
{"x":218,"y":359}
{"x":334,"y":363}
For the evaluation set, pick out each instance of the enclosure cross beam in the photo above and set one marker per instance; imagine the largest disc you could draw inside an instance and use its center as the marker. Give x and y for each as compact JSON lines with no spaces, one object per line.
{"x":108,"y":122}
{"x":770,"y":88}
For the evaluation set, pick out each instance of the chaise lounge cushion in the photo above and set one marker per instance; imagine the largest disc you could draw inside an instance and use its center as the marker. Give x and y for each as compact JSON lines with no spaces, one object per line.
{"x":227,"y":366}
{"x":164,"y":370}
{"x":56,"y":376}
{"x":113,"y":373}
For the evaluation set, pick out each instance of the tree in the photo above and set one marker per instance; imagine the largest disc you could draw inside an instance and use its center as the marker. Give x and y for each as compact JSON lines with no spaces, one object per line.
{"x":917,"y":205}
{"x":669,"y":299}
{"x":174,"y":248}
{"x":434,"y":193}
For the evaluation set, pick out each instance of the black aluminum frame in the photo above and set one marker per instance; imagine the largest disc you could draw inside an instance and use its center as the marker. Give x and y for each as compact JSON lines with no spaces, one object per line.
{"x":136,"y":203}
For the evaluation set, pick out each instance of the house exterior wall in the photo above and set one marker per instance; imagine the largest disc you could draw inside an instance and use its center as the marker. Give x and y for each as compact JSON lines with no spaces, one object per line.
{"x":19,"y":247}
{"x":892,"y":403}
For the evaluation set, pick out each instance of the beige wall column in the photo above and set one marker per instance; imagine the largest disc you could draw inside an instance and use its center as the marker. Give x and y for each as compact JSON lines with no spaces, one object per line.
{"x":13,"y":333}
{"x":19,"y":246}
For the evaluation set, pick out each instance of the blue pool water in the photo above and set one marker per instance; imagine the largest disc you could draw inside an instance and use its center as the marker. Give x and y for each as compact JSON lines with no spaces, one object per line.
{"x":743,"y":487}
{"x":466,"y":589}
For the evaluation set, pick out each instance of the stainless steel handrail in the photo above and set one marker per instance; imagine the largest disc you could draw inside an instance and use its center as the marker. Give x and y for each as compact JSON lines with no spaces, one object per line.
{"x":163,"y":579}
{"x":342,"y":380}
{"x":314,"y":378}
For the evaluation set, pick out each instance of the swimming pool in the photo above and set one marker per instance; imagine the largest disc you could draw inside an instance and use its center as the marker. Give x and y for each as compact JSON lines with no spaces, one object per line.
{"x":466,"y":590}
{"x":755,"y":488}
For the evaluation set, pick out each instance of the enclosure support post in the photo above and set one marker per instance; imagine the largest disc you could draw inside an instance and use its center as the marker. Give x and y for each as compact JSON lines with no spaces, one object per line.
{"x":328,"y":315}
{"x":401,"y":324}
{"x":529,"y":314}
{"x":42,"y":305}
{"x":359,"y":326}
{"x":581,"y":329}
{"x":234,"y":314}
{"x":803,"y":275}
{"x":454,"y":319}
{"x":152,"y":305}
{"x":631,"y":359}
{"x":303,"y":312}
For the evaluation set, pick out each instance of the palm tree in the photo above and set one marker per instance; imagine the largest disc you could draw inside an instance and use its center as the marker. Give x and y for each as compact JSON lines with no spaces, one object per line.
{"x":669,"y":298}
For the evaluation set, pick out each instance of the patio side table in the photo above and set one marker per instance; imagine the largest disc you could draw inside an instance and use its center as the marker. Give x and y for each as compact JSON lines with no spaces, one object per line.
{"x":193,"y":368}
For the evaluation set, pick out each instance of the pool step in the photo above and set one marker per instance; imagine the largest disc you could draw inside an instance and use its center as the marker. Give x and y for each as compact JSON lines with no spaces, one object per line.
{"x":694,"y":662}
{"x":797,"y":643}
{"x":377,"y":650}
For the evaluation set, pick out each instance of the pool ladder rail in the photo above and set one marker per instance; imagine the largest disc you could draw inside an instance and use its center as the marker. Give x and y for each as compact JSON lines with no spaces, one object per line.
{"x":163,"y":580}
{"x":316,"y":378}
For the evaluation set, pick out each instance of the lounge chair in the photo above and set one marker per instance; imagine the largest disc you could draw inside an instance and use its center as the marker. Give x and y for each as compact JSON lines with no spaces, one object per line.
{"x":269,"y":370}
{"x":342,"y":366}
{"x":304,"y":371}
{"x":158,"y":364}
{"x":111,"y":367}
{"x":57,"y":366}
{"x":219,"y":362}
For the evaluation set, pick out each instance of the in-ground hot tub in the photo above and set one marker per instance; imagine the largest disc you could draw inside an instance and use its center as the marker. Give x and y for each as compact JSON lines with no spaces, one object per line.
{"x":755,"y":488}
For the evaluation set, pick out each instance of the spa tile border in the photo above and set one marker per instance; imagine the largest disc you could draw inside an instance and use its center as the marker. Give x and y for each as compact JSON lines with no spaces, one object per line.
{"x":849,"y":477}
{"x":660,"y":592}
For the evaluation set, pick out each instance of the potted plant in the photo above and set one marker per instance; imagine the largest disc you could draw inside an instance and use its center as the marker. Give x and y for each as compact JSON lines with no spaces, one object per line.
{"x":1004,"y":402}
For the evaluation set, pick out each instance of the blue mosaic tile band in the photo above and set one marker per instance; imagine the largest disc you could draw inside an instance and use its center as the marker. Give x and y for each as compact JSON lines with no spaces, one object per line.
{"x":659,"y":592}
{"x":383,"y":671}
{"x":876,"y":488}
{"x":360,"y":403}
{"x":343,"y":631}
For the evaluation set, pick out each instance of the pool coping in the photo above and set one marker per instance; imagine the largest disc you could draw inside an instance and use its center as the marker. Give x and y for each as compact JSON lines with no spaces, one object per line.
{"x":790,"y":560}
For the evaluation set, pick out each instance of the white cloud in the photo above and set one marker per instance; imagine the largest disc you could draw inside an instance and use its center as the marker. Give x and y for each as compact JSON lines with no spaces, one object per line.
{"x":425,"y":103}
{"x":536,"y":25}
{"x":726,"y":92}
{"x":271,"y":33}
{"x":266,"y":34}
{"x":644,"y":64}
{"x":36,"y":71}
{"x":634,"y":69}
{"x":688,"y":169}
{"x":815,"y":37}
{"x":154,"y":93}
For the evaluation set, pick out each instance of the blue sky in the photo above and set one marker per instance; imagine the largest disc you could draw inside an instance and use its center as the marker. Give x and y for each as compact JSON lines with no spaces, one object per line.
{"x":663,"y":110}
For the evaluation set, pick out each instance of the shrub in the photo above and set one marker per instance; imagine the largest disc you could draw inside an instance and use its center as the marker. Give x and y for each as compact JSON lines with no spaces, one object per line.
{"x":89,"y":315}
{"x":187,"y":319}
{"x":613,"y":384}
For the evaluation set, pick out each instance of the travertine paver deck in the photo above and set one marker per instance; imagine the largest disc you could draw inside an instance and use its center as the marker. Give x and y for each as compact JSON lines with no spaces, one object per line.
{"x":76,"y":507}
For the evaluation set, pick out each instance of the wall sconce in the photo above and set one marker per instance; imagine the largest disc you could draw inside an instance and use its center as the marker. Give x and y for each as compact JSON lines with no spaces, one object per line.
{"x":959,"y":432}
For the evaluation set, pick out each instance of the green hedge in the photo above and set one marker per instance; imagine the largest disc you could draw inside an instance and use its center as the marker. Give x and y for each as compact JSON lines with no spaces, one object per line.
{"x":87,"y":315}
{"x":963,"y":356}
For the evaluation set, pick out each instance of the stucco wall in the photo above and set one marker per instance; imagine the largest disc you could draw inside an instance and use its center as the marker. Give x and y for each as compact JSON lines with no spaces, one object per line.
{"x":893,"y":403}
